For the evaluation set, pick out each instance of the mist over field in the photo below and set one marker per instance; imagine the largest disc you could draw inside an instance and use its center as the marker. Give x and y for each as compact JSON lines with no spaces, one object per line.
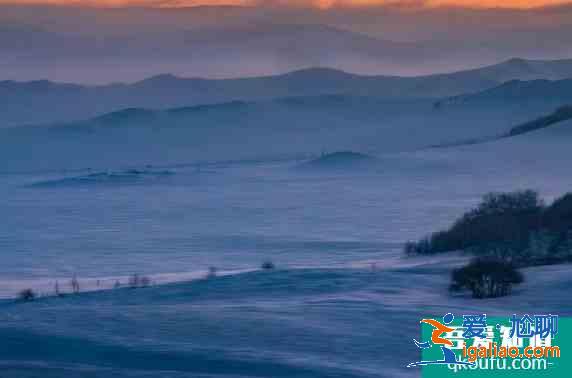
{"x":222,"y":192}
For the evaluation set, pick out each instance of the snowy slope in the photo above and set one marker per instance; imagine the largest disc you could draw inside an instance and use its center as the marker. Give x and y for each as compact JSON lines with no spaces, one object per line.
{"x":289,"y":127}
{"x":303,"y":323}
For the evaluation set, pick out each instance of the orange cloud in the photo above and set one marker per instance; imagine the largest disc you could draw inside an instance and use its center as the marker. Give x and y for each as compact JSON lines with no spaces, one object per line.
{"x":515,"y":4}
{"x":510,"y":4}
{"x":323,"y":4}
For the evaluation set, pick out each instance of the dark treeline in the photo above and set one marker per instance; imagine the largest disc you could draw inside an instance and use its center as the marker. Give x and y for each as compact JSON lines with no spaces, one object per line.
{"x":515,"y":227}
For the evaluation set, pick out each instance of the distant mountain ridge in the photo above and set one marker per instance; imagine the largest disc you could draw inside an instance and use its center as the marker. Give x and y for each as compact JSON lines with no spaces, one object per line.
{"x":559,"y":91}
{"x":527,"y":69}
{"x":45,"y":102}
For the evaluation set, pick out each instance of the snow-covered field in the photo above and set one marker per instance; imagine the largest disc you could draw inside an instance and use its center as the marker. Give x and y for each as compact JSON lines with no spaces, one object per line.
{"x":342,"y":292}
{"x":285,"y":323}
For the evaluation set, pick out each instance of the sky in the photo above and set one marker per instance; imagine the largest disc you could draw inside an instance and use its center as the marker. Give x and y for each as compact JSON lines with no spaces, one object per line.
{"x":102,"y":41}
{"x":514,"y":4}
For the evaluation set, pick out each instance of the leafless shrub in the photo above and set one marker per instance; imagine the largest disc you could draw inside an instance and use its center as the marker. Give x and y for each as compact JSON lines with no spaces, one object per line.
{"x":138,"y":281}
{"x":75,"y":285}
{"x":212,"y":272}
{"x":27,"y":295}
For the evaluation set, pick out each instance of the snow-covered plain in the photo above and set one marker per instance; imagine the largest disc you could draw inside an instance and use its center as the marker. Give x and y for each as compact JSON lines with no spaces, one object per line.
{"x":352,"y":322}
{"x":342,"y":303}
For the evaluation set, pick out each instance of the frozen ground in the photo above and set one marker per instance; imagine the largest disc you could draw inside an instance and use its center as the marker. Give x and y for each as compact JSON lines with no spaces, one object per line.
{"x":286,"y":323}
{"x":326,"y":312}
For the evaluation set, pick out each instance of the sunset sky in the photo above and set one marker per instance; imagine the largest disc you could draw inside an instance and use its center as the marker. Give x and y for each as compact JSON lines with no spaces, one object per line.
{"x":516,"y":4}
{"x":101,"y":41}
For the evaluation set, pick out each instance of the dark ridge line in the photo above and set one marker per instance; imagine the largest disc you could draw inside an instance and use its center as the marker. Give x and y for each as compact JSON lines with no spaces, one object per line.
{"x":561,"y":114}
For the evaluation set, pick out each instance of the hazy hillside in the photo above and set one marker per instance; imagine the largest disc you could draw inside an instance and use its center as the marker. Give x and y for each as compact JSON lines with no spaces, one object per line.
{"x":561,"y":114}
{"x":213,"y":51}
{"x":45,"y":102}
{"x":298,"y":126}
{"x":556,"y":92}
{"x":525,"y":69}
{"x":541,"y":154}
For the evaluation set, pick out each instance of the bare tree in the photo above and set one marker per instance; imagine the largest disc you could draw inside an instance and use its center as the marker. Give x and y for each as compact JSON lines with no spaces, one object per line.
{"x":75,"y":284}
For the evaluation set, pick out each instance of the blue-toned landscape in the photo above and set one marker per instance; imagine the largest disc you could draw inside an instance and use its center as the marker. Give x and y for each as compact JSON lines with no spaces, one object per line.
{"x":294,"y":215}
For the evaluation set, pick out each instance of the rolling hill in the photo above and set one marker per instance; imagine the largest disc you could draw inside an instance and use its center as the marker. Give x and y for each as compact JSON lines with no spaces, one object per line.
{"x":278,"y":128}
{"x":560,"y":115}
{"x":556,"y":92}
{"x":44,"y":102}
